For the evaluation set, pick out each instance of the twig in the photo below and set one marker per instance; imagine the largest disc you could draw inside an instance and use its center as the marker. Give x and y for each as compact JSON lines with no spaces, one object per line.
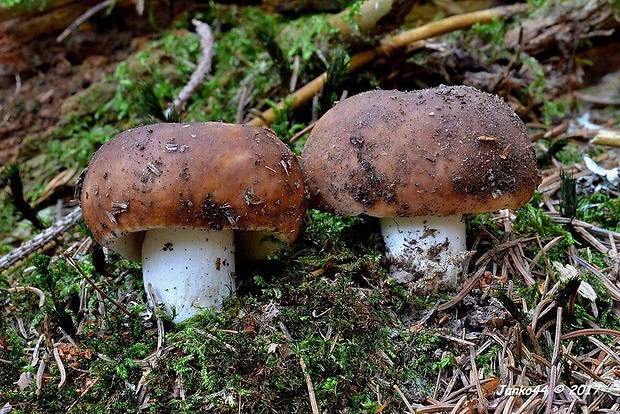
{"x":18,"y":85}
{"x":140,"y":7}
{"x":160,"y":324}
{"x":302,"y":132}
{"x":72,"y":262}
{"x":35,"y":352}
{"x":302,"y":363}
{"x":404,"y":398}
{"x":466,"y":289}
{"x":530,"y":405}
{"x":546,"y":248}
{"x":85,"y":16}
{"x":436,"y":408}
{"x":39,"y":241}
{"x":517,"y":256}
{"x":311,"y":394}
{"x":244,"y":98}
{"x":202,"y":69}
{"x":534,"y":340}
{"x":591,"y":239}
{"x":217,"y":340}
{"x":585,"y":369}
{"x":83,"y":393}
{"x":388,"y":45}
{"x":459,"y":404}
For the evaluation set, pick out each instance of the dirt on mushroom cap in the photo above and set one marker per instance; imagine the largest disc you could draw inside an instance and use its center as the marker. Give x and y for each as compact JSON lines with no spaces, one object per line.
{"x":438,"y":151}
{"x":205,"y":175}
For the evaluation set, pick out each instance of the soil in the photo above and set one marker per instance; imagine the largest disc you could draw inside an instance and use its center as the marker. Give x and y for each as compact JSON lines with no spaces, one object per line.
{"x":31,"y":99}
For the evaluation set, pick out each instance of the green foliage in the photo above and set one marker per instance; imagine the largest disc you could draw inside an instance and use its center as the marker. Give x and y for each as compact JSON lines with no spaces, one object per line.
{"x":536,"y":89}
{"x":337,"y":72}
{"x":568,"y":195}
{"x":554,"y":110}
{"x":304,"y":34}
{"x":537,"y":4}
{"x":492,"y":34}
{"x":151,"y":108}
{"x":600,"y":209}
{"x":565,"y":152}
{"x":352,"y":11}
{"x":485,"y":359}
{"x":165,"y":81}
{"x":483,"y":221}
{"x":75,"y":143}
{"x":530,"y":220}
{"x":284,"y":127}
{"x":267,"y":37}
{"x":34,"y":5}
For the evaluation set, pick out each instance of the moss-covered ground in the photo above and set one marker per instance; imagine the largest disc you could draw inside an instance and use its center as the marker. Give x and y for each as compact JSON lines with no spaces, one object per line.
{"x":319,"y":326}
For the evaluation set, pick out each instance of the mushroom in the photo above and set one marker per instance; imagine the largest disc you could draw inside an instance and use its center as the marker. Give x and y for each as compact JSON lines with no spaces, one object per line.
{"x":420,"y":161}
{"x":176,"y":196}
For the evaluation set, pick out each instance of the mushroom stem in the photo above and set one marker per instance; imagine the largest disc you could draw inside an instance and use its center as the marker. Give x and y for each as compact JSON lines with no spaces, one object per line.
{"x":189,"y":269}
{"x":256,"y":245}
{"x":425,"y":250}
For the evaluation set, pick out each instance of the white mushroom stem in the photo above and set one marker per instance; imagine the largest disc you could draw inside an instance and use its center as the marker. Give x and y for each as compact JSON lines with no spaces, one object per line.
{"x":426,"y":250}
{"x":189,"y":269}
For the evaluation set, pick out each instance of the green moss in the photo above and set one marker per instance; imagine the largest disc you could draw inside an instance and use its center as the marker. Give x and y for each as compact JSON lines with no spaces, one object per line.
{"x":532,"y":221}
{"x":492,"y":34}
{"x":569,"y":154}
{"x":600,"y":209}
{"x":30,"y":5}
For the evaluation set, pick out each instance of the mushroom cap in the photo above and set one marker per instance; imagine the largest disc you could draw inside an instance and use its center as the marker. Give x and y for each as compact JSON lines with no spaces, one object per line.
{"x":439,"y":151}
{"x":202,"y":175}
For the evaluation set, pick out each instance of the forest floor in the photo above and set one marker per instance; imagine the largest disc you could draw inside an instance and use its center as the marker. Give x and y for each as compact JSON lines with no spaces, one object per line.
{"x":320,"y":326}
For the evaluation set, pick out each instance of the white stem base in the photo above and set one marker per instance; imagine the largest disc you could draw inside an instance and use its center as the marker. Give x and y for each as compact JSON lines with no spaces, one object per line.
{"x":189,"y":269}
{"x":427,"y":251}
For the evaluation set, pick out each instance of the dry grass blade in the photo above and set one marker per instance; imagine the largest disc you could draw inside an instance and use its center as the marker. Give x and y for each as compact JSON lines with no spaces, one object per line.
{"x":404,"y":398}
{"x":32,"y":289}
{"x":605,"y":348}
{"x":612,"y":289}
{"x":482,"y":401}
{"x":471,"y":283}
{"x":311,"y":394}
{"x":587,"y":332}
{"x":555,"y":361}
{"x":87,"y":15}
{"x":73,"y":263}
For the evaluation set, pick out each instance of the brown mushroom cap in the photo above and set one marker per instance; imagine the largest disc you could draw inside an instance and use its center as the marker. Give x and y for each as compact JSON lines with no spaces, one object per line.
{"x":202,"y":175}
{"x":439,"y":151}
